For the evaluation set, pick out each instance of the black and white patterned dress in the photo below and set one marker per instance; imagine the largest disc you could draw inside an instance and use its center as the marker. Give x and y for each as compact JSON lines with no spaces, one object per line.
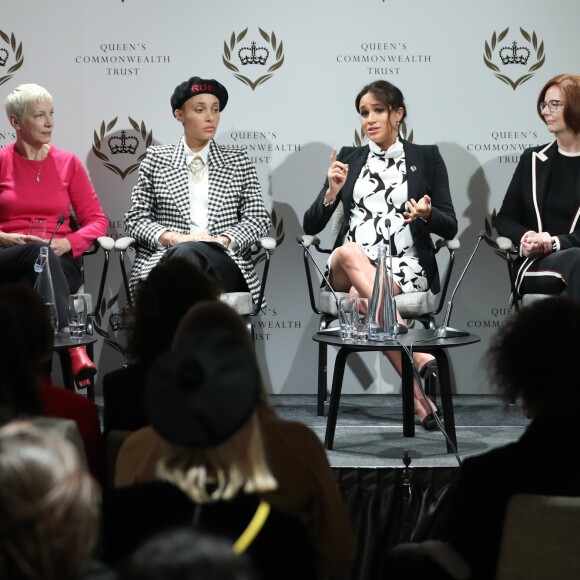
{"x":380,"y":193}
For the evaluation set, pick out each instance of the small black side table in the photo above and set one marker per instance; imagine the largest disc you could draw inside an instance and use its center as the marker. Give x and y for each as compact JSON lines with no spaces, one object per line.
{"x":62,"y":342}
{"x":416,"y":339}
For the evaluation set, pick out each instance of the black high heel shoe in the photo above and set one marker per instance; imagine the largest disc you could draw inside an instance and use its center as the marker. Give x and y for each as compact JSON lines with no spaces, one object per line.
{"x":428,"y":369}
{"x":429,"y":423}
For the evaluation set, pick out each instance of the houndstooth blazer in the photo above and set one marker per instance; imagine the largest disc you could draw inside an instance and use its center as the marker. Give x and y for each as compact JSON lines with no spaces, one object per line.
{"x":160,"y":200}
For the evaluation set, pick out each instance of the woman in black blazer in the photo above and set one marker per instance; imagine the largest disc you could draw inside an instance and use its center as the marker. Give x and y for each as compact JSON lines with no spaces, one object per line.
{"x":388,"y":179}
{"x":541,"y":208}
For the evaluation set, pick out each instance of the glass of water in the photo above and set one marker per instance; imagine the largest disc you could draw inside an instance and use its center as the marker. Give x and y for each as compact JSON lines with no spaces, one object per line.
{"x":38,"y":228}
{"x":346,"y":308}
{"x":77,"y":315}
{"x":360,"y":319}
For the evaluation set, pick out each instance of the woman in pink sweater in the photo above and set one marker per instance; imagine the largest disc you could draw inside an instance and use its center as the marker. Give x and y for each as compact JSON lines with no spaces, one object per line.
{"x":37,"y":180}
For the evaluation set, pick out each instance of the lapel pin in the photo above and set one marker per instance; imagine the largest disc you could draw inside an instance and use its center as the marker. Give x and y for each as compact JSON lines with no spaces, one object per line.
{"x":413,"y":168}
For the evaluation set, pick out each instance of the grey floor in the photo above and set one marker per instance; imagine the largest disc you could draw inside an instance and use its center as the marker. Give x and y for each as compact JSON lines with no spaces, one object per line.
{"x":369,"y":429}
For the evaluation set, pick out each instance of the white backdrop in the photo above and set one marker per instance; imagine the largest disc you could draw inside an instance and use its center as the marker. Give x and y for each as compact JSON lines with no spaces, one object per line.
{"x":112,"y":66}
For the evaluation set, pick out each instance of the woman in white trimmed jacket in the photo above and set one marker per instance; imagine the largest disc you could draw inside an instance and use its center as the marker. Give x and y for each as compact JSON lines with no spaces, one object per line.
{"x":540,"y":211}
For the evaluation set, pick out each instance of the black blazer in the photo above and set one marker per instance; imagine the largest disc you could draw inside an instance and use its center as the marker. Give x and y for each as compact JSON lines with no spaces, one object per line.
{"x":523,"y":204}
{"x":426,"y":174}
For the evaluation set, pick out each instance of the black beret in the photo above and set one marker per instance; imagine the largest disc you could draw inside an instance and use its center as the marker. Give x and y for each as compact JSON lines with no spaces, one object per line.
{"x":201,"y":393}
{"x":196,"y":86}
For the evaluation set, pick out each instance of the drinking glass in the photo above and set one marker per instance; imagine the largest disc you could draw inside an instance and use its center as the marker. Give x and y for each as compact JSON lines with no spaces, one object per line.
{"x":38,"y":228}
{"x":77,"y":315}
{"x":361,"y":319}
{"x":346,"y":307}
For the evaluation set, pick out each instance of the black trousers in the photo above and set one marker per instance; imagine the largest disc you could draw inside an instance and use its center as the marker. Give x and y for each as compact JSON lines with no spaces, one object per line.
{"x":556,"y":273}
{"x":17,"y":265}
{"x":214,"y":261}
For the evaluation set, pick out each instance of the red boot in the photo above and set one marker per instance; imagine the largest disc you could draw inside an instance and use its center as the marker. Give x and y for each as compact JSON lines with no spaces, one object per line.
{"x":82,"y":366}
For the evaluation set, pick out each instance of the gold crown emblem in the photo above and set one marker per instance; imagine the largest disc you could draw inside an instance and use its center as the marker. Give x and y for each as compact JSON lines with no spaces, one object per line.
{"x":514,"y":54}
{"x":253,"y":55}
{"x":123,"y":144}
{"x":118,"y":320}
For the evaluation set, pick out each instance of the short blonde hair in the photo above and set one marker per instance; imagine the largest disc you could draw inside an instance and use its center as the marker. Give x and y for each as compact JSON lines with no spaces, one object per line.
{"x":48,"y":505}
{"x":17,"y":101}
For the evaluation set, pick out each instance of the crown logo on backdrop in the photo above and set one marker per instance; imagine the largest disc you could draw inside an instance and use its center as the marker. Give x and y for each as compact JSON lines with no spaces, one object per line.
{"x":123,"y":144}
{"x":515,"y":54}
{"x":117,"y":321}
{"x":253,"y":54}
{"x":16,"y":49}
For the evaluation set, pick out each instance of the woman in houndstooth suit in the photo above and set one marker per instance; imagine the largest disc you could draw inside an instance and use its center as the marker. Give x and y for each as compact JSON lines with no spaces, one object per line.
{"x":196,"y":199}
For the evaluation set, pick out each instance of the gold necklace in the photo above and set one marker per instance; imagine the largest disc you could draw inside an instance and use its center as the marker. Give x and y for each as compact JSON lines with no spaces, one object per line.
{"x":196,"y":168}
{"x":37,"y":173}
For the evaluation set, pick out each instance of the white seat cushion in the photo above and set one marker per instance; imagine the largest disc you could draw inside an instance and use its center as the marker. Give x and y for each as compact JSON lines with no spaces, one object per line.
{"x":411,"y":305}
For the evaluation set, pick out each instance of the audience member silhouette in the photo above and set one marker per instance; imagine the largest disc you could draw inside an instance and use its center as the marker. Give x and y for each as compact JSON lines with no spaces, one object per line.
{"x":202,"y":398}
{"x":544,"y":460}
{"x":160,"y":303}
{"x":306,"y":484}
{"x":32,"y":315}
{"x":48,"y":506}
{"x":185,"y":554}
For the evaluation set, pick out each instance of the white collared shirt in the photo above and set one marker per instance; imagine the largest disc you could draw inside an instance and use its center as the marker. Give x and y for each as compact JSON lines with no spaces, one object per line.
{"x":198,"y":192}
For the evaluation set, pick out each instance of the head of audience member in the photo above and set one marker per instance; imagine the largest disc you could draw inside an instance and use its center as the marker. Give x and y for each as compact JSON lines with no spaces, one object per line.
{"x":185,"y":554}
{"x":48,"y":506}
{"x":534,"y":357}
{"x":19,"y":394}
{"x":566,"y":89}
{"x":202,"y":398}
{"x":215,"y":314}
{"x":161,"y":301}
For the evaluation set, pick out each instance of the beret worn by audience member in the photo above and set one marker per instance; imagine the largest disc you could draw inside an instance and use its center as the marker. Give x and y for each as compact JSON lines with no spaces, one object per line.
{"x":196,"y":86}
{"x":203,"y":392}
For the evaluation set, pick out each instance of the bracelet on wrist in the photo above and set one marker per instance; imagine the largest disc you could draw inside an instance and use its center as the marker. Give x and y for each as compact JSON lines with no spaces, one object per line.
{"x":171,"y":243}
{"x":327,"y":203}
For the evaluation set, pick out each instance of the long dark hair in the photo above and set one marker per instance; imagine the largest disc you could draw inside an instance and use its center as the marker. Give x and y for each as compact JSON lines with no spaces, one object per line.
{"x":387,"y":93}
{"x":161,"y":301}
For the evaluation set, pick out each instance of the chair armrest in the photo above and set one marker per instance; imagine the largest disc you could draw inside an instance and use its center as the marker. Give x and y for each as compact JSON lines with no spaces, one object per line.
{"x":453,"y":244}
{"x":106,"y":243}
{"x":267,"y":243}
{"x":505,"y":244}
{"x":121,"y":244}
{"x":310,"y":241}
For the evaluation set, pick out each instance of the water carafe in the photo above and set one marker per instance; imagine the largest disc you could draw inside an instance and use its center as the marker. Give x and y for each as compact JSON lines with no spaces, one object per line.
{"x":43,"y":285}
{"x":382,"y":315}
